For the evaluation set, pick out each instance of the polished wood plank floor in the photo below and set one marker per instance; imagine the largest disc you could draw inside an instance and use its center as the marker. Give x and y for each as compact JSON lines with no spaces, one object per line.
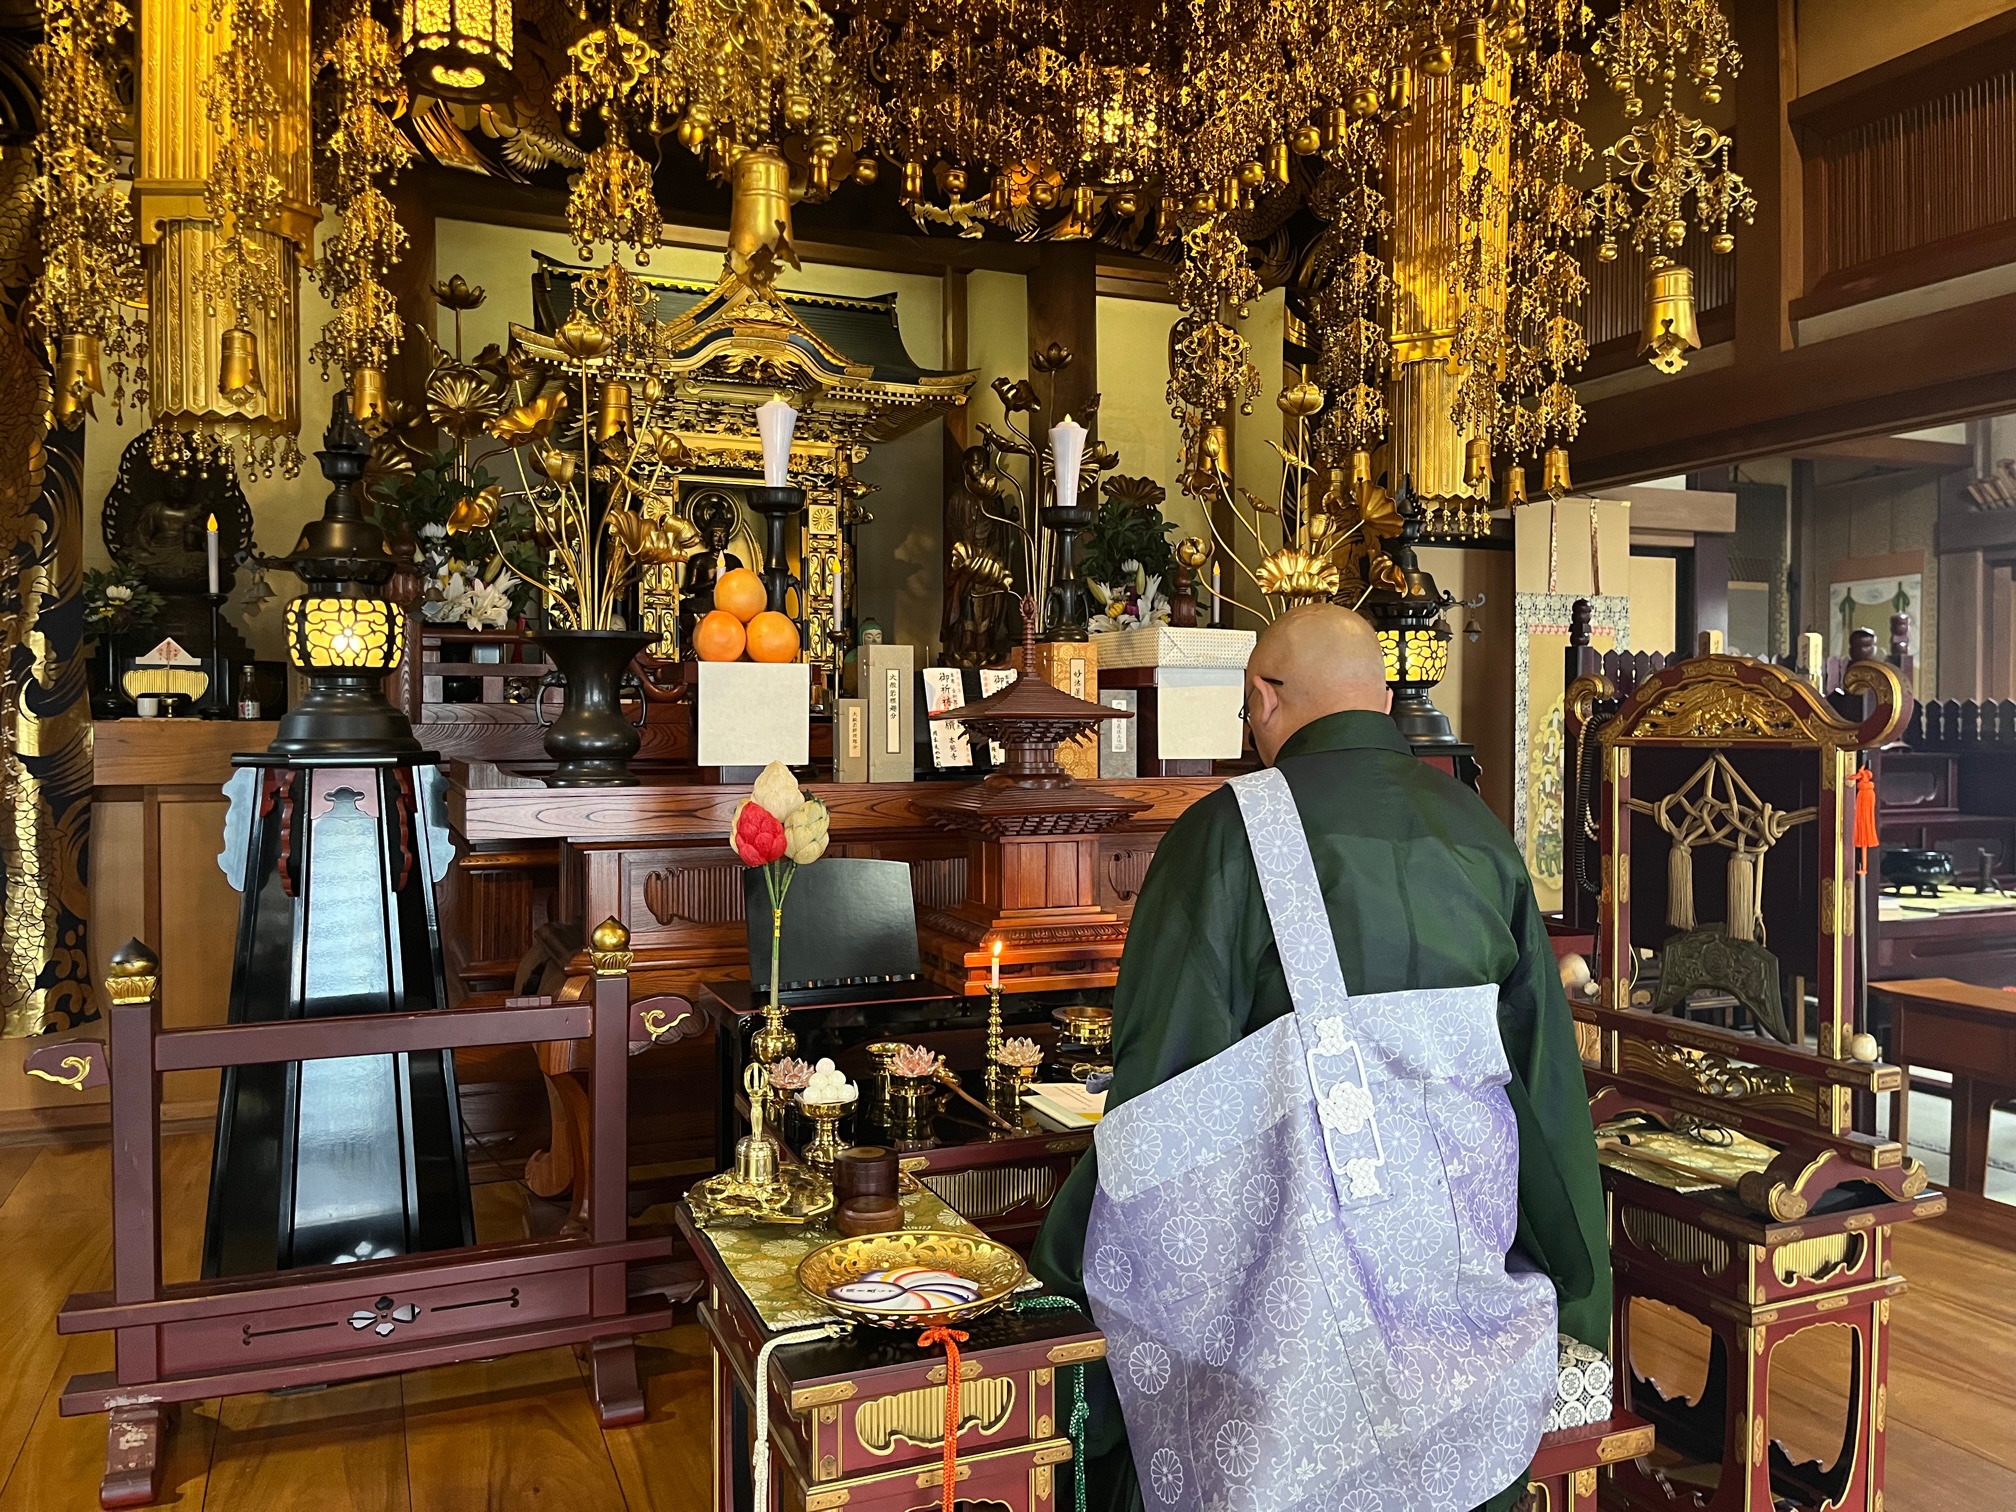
{"x":520,"y":1433}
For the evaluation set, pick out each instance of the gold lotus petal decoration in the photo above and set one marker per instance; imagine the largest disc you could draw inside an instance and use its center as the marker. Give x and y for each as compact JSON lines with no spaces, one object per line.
{"x":1299,"y":575}
{"x":557,"y":466}
{"x":582,"y":340}
{"x":476,"y":512}
{"x":462,"y":402}
{"x":531,"y":421}
{"x":457,"y":293}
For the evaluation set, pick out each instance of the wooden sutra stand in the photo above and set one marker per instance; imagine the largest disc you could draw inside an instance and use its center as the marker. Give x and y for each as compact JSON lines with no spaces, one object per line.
{"x":1032,"y":847}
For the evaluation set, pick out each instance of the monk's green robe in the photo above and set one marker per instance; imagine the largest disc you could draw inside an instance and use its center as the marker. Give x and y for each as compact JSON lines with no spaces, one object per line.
{"x":1424,"y":889}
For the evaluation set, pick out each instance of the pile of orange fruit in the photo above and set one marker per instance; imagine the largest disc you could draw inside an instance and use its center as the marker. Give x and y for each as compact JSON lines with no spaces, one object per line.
{"x":739,"y":625}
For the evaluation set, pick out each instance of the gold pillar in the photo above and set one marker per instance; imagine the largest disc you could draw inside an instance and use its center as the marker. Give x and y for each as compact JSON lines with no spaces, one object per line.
{"x":1430,"y":168}
{"x":179,"y":51}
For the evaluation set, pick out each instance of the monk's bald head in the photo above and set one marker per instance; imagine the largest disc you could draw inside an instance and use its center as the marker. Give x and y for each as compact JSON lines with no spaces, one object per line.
{"x":1316,"y":660}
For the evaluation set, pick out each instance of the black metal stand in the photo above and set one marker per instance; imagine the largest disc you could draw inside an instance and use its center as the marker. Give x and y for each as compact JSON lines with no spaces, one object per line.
{"x":219,"y":701}
{"x":778,"y":506}
{"x":1066,"y":612}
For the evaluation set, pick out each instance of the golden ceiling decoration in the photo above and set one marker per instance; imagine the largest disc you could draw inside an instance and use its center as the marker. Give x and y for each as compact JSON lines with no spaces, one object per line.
{"x":90,"y":278}
{"x":360,"y":149}
{"x":1673,"y":164}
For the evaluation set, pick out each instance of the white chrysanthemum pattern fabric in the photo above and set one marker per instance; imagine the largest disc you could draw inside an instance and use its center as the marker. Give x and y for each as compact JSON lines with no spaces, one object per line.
{"x":1297,"y":1250}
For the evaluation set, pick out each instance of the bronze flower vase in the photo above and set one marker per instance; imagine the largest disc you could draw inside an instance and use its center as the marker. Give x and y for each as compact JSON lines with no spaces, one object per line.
{"x":591,"y":741}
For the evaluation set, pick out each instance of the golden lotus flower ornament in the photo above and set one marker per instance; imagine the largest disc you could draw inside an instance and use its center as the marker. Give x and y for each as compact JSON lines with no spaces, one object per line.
{"x":531,"y":421}
{"x":555,"y":465}
{"x":1297,"y":575}
{"x":463,"y":403}
{"x":476,"y":512}
{"x":582,"y":340}
{"x":457,"y":293}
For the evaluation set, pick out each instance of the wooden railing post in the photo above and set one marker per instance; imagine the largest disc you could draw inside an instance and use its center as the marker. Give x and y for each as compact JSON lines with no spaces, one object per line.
{"x":133,"y":983}
{"x":619,"y":1396}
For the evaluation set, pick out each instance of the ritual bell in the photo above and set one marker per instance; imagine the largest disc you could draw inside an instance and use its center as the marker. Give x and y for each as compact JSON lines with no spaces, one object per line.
{"x":759,"y":210}
{"x":1670,"y":329}
{"x":367,"y":399}
{"x":1515,"y":486}
{"x":77,"y":379}
{"x":1477,"y":463}
{"x":1554,"y":472}
{"x":613,"y":410}
{"x":238,"y":367}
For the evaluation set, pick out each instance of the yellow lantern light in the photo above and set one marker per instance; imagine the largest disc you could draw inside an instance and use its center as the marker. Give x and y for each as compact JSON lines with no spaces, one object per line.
{"x":459,"y":49}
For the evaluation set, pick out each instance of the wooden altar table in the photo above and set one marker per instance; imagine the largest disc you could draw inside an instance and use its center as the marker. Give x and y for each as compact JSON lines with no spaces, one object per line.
{"x":1967,"y":1031}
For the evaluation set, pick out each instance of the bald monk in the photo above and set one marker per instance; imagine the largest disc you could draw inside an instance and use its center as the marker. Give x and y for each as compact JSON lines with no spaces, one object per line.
{"x":1423,"y":888}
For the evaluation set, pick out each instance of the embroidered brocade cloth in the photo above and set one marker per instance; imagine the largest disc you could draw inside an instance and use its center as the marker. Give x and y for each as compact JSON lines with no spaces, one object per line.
{"x":763,"y":1258}
{"x":1298,"y":1249}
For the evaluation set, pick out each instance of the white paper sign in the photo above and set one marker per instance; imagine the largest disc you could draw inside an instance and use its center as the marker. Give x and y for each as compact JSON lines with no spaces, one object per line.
{"x":995,"y":680}
{"x":892,"y":711}
{"x":855,"y":741}
{"x":944,"y":689}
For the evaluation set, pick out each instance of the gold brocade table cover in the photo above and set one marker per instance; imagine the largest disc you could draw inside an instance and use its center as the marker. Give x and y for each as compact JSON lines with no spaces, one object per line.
{"x":763,"y":1257}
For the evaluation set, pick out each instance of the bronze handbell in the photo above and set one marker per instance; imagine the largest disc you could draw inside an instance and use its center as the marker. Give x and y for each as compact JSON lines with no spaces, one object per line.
{"x":77,"y":379}
{"x":1670,"y":329}
{"x":238,"y":367}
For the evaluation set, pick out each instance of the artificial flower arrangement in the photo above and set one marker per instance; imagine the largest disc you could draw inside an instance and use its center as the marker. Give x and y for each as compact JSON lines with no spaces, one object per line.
{"x":116,"y":600}
{"x":1136,"y":599}
{"x":778,"y":828}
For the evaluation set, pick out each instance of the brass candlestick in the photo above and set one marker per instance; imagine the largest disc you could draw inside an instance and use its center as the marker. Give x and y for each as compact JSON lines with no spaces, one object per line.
{"x":1000,"y":1079}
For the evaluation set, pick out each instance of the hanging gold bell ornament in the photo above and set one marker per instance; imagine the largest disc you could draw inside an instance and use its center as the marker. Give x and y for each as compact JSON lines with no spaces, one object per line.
{"x":613,"y":412}
{"x":1477,"y":464}
{"x":1554,"y":479}
{"x":367,"y":400}
{"x":238,"y":367}
{"x":1515,"y":486}
{"x":1670,"y":329}
{"x":77,"y":379}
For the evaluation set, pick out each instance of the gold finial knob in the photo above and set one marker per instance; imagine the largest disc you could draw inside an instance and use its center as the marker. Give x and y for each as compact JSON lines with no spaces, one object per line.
{"x":609,"y":948}
{"x":134,"y":959}
{"x":133,"y":973}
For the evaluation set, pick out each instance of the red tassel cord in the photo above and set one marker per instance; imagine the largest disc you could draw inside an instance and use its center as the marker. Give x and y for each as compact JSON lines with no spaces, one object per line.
{"x":951,"y":1339}
{"x":1865,"y":819}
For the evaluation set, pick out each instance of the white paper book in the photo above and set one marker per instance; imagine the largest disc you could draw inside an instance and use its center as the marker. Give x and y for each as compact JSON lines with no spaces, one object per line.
{"x":1065,"y":1104}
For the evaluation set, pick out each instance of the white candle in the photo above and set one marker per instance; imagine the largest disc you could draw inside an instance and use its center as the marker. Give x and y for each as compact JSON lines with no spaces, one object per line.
{"x":210,"y":547}
{"x":994,"y":975}
{"x":1067,"y":457}
{"x":774,"y":423}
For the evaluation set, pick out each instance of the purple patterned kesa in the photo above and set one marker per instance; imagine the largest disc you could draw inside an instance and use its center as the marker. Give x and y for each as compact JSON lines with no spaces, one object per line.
{"x":1298,"y":1249}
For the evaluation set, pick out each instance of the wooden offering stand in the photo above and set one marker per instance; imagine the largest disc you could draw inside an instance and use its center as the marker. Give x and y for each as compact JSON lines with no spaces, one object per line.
{"x":183,"y":1342}
{"x":1758,"y":1241}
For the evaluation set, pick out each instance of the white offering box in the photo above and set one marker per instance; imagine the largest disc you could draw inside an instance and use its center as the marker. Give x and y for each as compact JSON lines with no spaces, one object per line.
{"x":754,"y":713}
{"x":1191,"y":684}
{"x":1168,"y":646}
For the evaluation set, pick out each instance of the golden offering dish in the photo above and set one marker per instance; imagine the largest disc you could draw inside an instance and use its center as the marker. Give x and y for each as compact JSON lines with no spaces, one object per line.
{"x":994,"y":1270}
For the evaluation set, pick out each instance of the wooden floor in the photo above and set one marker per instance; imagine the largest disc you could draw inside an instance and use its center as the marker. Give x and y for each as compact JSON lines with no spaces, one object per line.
{"x":521,"y":1433}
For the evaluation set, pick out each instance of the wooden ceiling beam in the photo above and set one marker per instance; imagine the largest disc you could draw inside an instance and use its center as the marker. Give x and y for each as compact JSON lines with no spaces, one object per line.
{"x":1895,"y":451}
{"x":1950,"y":365}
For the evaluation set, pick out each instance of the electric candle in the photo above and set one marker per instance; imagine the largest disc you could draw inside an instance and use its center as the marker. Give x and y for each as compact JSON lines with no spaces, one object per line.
{"x":994,"y":975}
{"x":1067,"y":457}
{"x":774,"y":423}
{"x":210,"y":548}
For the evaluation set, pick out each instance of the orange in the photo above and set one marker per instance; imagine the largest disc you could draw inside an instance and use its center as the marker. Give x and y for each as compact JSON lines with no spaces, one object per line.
{"x":719,"y":637}
{"x":772,"y":637}
{"x":742,"y":594}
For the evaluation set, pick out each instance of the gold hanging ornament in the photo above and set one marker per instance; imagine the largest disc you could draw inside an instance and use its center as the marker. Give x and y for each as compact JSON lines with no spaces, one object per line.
{"x":89,"y":284}
{"x":1670,"y":329}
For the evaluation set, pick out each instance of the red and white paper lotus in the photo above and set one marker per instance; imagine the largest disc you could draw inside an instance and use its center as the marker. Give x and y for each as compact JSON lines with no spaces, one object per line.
{"x":778,"y":828}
